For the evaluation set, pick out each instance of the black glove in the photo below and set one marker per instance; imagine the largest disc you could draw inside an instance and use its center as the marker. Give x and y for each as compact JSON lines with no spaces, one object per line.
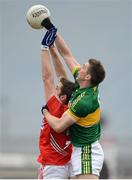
{"x":47,"y":24}
{"x":44,"y":107}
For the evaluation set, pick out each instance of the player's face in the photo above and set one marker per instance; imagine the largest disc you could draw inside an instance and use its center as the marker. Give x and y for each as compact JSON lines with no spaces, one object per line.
{"x":83,"y":72}
{"x":58,"y":88}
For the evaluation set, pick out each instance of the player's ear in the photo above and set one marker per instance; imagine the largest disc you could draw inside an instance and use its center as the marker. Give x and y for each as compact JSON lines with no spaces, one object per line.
{"x":88,"y":77}
{"x":63,"y":97}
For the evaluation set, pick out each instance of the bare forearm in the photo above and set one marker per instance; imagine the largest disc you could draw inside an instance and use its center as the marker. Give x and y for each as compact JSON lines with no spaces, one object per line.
{"x":58,"y":124}
{"x":58,"y":65}
{"x":65,"y":52}
{"x":47,"y":75}
{"x":52,"y":121}
{"x":46,"y":65}
{"x":62,"y":46}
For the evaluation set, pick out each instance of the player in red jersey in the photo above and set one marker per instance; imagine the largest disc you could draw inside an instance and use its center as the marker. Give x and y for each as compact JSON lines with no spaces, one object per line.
{"x":55,"y":149}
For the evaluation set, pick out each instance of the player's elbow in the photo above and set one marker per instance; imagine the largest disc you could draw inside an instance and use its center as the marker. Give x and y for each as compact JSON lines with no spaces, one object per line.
{"x":58,"y":128}
{"x":47,"y":78}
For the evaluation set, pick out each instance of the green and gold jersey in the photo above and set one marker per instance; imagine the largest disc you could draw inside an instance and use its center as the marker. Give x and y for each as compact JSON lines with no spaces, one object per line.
{"x":85,"y":110}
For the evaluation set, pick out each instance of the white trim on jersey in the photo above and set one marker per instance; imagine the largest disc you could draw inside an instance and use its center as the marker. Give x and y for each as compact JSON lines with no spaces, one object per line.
{"x":56,"y":146}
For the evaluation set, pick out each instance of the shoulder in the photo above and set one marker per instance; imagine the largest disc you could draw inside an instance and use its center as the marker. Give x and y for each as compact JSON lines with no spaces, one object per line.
{"x":53,"y":99}
{"x":56,"y":108}
{"x":54,"y":103}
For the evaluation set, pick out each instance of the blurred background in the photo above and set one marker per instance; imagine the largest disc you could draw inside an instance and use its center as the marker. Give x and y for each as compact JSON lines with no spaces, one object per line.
{"x":100,"y":29}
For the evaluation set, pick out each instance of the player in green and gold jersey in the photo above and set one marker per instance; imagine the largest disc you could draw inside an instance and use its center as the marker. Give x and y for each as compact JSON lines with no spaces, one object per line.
{"x":83,"y":115}
{"x":84,"y":108}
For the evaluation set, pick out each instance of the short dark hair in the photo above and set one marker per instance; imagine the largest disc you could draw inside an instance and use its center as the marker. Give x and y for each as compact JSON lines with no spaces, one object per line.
{"x":97,"y":72}
{"x":67,"y":88}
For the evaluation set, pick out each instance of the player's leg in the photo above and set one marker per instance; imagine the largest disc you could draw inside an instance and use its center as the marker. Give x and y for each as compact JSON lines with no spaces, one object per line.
{"x":40,"y":172}
{"x":88,"y":176}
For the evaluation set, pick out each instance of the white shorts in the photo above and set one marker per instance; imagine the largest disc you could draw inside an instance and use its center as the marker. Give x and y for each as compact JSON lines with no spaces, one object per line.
{"x":87,"y":159}
{"x":54,"y":172}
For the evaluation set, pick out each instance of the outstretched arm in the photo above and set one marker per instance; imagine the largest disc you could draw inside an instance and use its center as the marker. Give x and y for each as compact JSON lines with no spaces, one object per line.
{"x":66,"y":52}
{"x":47,"y":74}
{"x":58,"y":124}
{"x":58,"y":65}
{"x":61,"y":44}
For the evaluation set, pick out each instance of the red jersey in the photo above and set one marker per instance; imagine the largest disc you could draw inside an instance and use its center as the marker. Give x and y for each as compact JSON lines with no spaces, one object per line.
{"x":55,"y":148}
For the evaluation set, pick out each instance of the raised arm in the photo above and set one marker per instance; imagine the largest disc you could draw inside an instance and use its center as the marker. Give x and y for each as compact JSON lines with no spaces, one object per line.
{"x":61,"y":45}
{"x":66,"y":52}
{"x":47,"y":75}
{"x":58,"y":65}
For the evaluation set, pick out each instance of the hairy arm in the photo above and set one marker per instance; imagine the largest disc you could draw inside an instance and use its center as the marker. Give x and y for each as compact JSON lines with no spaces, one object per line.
{"x":47,"y":75}
{"x":58,"y":124}
{"x":66,"y":52}
{"x":58,"y":65}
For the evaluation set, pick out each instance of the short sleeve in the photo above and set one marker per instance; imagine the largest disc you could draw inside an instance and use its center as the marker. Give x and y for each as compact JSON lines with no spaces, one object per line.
{"x":81,"y":109}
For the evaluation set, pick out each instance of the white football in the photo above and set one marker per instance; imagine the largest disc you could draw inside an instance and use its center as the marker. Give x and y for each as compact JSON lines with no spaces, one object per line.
{"x":36,"y":14}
